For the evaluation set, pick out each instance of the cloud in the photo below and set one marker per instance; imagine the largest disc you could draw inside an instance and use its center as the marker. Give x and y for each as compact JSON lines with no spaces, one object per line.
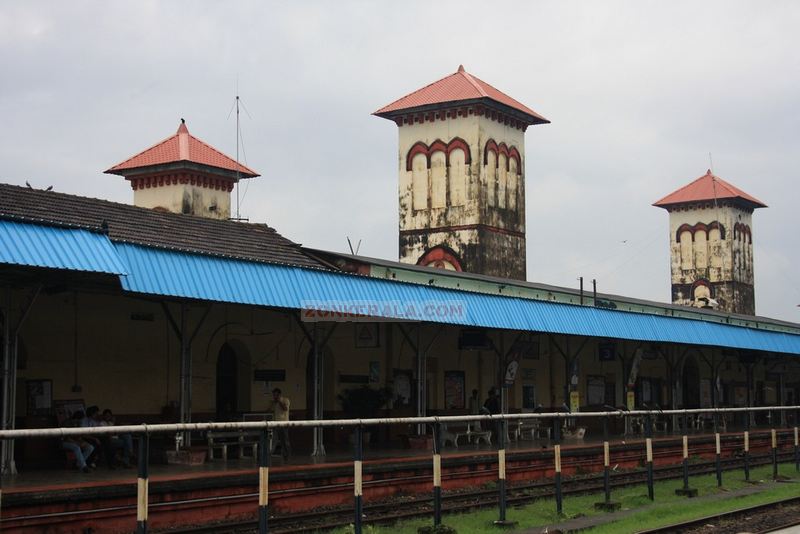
{"x":639,"y":94}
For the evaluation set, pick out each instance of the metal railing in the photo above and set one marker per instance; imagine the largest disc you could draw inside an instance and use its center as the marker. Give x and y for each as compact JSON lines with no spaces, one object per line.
{"x":264,"y":428}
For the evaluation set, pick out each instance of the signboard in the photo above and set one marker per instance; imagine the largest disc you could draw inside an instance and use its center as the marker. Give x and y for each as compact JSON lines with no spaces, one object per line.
{"x":637,"y":359}
{"x":574,"y":401}
{"x":607,"y":352}
{"x":511,"y":371}
{"x":631,"y":400}
{"x":454,"y":390}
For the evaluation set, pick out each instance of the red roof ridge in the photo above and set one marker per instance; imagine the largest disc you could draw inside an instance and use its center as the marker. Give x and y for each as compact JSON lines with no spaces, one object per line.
{"x":471,"y":80}
{"x":457,"y":87}
{"x":698,"y":190}
{"x":180,"y":149}
{"x":390,"y":104}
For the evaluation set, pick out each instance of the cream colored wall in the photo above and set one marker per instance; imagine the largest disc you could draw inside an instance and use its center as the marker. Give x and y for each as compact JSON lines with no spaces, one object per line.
{"x":172,"y":197}
{"x":465,"y":208}
{"x":727,"y":260}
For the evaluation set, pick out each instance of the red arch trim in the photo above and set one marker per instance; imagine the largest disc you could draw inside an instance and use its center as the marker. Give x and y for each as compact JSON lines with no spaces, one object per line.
{"x":502,"y":148}
{"x":701,"y":226}
{"x":440,"y":253}
{"x":438,"y":146}
{"x":417,"y":148}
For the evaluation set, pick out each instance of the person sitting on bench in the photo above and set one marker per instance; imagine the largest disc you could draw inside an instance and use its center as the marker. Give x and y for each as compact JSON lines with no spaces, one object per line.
{"x":78,"y":446}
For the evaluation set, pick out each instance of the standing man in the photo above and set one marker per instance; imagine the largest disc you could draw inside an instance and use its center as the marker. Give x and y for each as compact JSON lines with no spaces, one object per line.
{"x":280,"y":412}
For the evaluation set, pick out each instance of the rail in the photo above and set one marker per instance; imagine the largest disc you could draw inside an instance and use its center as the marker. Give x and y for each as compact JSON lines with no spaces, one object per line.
{"x":144,"y":431}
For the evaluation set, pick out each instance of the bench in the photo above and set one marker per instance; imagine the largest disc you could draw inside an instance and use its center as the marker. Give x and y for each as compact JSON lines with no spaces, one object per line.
{"x":238,"y":439}
{"x":472,"y":436}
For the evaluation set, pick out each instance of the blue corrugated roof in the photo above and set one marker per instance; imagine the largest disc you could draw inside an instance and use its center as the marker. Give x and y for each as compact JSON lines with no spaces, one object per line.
{"x":163,"y":272}
{"x":58,"y":248}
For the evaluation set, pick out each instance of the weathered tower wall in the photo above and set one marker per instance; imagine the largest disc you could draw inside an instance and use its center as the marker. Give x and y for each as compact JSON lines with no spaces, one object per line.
{"x":711,"y":251}
{"x":462,"y":188}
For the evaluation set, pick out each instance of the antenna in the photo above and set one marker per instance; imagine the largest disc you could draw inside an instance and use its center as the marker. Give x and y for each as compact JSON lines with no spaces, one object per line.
{"x":710,"y":163}
{"x":236,"y":102}
{"x":350,"y":244}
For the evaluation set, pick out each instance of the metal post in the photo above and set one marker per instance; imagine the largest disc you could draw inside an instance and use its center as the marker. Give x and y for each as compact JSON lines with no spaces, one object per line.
{"x":717,"y":458}
{"x":7,"y":417}
{"x":501,"y":474}
{"x":357,"y":481}
{"x":264,"y":458}
{"x":796,"y":449}
{"x":686,"y":491}
{"x":186,"y":375}
{"x":774,"y":433}
{"x":142,"y":485}
{"x":747,"y":445}
{"x":557,"y":458}
{"x":649,"y":449}
{"x":606,"y":462}
{"x":437,"y":474}
{"x":315,"y":380}
{"x":421,"y":381}
{"x":606,"y":505}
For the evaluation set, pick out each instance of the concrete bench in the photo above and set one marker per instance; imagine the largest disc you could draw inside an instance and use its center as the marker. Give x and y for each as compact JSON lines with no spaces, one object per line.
{"x":241,"y":440}
{"x":452,"y":435}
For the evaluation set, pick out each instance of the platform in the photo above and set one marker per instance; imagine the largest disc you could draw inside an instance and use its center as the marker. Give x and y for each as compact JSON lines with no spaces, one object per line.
{"x":226,"y":490}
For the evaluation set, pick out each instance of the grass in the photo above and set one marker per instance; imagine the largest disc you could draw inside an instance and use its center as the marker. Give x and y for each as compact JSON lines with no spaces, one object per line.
{"x":666,"y":509}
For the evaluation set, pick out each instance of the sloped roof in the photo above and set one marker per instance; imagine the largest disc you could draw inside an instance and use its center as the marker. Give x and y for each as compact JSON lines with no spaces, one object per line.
{"x":456,"y":87}
{"x":708,"y":187}
{"x":132,"y":224}
{"x":182,"y":146}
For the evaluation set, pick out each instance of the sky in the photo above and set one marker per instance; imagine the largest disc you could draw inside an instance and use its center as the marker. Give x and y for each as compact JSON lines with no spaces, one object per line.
{"x":639,"y":93}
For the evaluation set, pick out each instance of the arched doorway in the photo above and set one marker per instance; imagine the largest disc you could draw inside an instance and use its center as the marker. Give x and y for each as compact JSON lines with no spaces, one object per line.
{"x":233,"y":381}
{"x":690,"y":383}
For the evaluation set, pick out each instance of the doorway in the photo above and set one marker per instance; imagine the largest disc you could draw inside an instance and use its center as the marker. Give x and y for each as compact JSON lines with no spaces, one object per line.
{"x":227,"y":382}
{"x":691,"y":383}
{"x":234,"y":380}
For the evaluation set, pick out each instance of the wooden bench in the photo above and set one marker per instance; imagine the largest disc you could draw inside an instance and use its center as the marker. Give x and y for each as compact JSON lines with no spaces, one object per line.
{"x":238,"y":439}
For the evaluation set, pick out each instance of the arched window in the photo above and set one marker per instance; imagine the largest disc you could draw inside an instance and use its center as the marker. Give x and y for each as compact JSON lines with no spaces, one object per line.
{"x":701,"y":248}
{"x":513,"y":180}
{"x":438,"y":180}
{"x":491,"y":178}
{"x":502,"y":180}
{"x":458,"y":177}
{"x":419,"y":182}
{"x":687,"y":261}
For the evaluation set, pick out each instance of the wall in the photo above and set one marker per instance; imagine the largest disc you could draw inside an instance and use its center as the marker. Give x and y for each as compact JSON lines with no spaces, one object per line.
{"x":186,"y":198}
{"x":442,"y":205}
{"x":699,"y":257}
{"x":128,"y":358}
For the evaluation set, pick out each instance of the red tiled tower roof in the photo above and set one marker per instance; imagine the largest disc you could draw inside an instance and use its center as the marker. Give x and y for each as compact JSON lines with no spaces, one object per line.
{"x":708,"y":187}
{"x":456,"y":88}
{"x":178,"y":148}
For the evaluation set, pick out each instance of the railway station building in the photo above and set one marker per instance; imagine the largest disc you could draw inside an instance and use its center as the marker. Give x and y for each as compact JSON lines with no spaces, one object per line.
{"x":168,"y":311}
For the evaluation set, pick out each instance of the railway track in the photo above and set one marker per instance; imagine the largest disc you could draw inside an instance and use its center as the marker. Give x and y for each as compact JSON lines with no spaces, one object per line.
{"x":411,"y":508}
{"x":760,"y":519}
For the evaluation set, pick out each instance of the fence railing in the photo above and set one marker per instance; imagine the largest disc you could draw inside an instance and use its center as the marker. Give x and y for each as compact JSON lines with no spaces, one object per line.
{"x":265,"y":428}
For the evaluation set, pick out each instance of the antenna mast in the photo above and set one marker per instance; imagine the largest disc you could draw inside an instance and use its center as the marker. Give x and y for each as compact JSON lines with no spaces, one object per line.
{"x":237,"y":155}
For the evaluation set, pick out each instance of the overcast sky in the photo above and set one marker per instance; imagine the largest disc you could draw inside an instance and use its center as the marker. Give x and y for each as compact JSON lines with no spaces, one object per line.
{"x":638,"y":94}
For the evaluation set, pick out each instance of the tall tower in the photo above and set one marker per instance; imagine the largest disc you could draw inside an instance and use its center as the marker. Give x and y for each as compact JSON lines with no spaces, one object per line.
{"x":462,"y":176}
{"x":711,"y":245}
{"x":183,"y":174}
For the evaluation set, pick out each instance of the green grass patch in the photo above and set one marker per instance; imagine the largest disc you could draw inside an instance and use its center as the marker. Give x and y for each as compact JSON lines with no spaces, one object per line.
{"x":666,"y":509}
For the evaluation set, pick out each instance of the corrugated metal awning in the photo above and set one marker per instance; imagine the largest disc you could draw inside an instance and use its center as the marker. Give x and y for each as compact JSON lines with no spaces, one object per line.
{"x":177,"y":274}
{"x":53,"y":247}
